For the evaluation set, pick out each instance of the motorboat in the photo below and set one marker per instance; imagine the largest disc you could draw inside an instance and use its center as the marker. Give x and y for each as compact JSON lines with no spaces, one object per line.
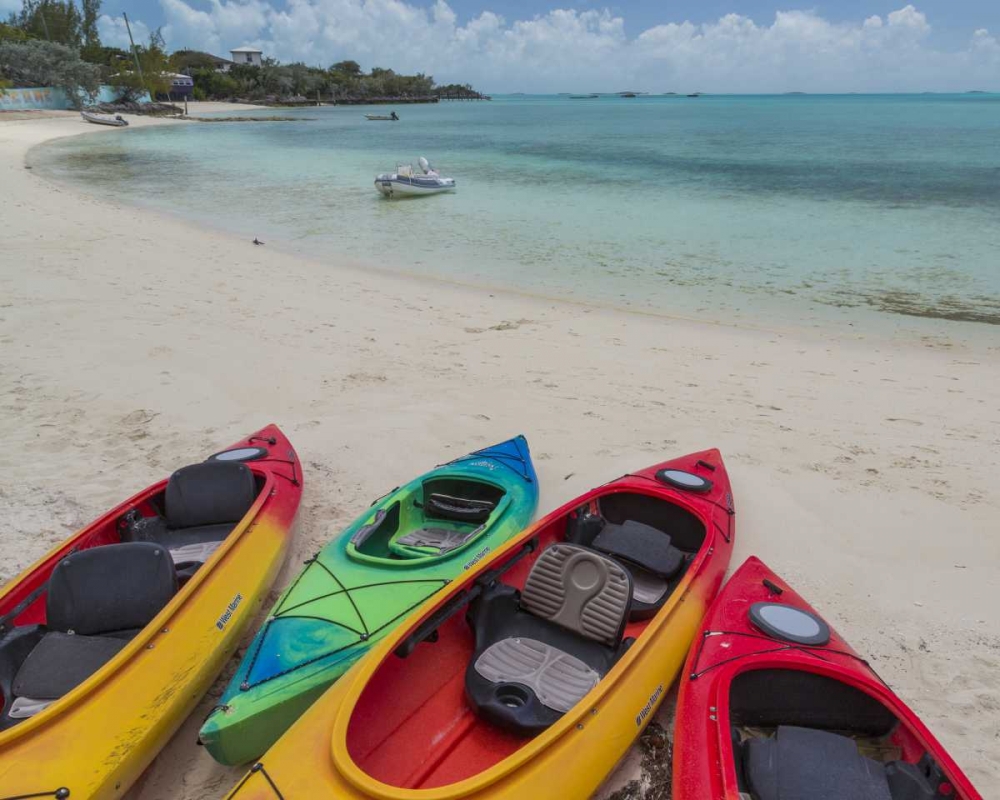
{"x":393,"y":117}
{"x":408,"y":182}
{"x":114,"y":120}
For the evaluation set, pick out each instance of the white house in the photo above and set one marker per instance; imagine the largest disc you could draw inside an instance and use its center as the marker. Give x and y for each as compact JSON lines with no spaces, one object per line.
{"x":246,"y":55}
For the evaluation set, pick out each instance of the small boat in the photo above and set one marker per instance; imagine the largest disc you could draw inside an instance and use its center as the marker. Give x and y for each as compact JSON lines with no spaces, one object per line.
{"x":695,"y":94}
{"x":114,"y":120}
{"x":627,"y":94}
{"x":406,"y":181}
{"x":532,"y":672}
{"x":393,"y":117}
{"x":584,"y":97}
{"x":354,"y":592}
{"x":111,"y":639}
{"x":774,"y":703}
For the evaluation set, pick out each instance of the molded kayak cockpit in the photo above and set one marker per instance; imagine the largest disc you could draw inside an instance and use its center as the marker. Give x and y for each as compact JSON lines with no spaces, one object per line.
{"x":445,"y":515}
{"x":111,"y":585}
{"x":537,"y":636}
{"x":800,"y":734}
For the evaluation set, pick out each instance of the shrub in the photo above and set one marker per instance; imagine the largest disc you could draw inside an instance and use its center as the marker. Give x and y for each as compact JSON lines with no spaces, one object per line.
{"x":36,"y":63}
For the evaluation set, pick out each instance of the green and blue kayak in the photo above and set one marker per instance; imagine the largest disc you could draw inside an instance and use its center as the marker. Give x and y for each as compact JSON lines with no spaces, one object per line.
{"x":408,"y":545}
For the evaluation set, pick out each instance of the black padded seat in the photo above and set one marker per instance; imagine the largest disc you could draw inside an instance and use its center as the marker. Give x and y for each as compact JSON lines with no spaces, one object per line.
{"x":539,"y":651}
{"x":808,"y":764}
{"x":458,"y":509}
{"x":202,"y":504}
{"x":646,"y":552}
{"x":97,"y":600}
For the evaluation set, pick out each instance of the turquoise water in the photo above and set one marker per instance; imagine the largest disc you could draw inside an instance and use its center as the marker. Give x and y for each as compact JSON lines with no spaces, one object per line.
{"x":795,"y":206}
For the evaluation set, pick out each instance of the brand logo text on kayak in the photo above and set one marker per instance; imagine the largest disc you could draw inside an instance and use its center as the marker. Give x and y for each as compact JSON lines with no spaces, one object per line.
{"x":648,"y":708}
{"x":477,"y":558}
{"x":228,"y":614}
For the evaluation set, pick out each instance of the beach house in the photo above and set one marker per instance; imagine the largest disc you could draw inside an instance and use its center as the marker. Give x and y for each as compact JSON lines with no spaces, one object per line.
{"x":246,"y":55}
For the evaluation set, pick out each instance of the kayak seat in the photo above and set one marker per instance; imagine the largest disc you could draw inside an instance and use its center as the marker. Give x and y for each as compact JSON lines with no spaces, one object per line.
{"x":646,"y":552}
{"x":97,"y":600}
{"x":458,"y":509}
{"x":539,"y":651}
{"x":799,"y":763}
{"x":203,"y":503}
{"x":434,"y":540}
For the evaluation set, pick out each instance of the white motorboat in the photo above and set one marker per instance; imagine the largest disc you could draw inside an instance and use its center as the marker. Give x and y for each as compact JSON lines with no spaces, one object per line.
{"x":393,"y":117}
{"x":114,"y":120}
{"x":407,"y":182}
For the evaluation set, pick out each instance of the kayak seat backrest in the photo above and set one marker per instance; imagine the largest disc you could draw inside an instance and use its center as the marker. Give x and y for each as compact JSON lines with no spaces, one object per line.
{"x":538,"y":652}
{"x":815,"y":764}
{"x":458,"y":509}
{"x":646,"y":552}
{"x":203,"y":503}
{"x":97,"y":600}
{"x":210,"y":493}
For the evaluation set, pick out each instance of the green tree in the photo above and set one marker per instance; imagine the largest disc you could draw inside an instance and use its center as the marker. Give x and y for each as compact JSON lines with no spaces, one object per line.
{"x":12,"y":33}
{"x":349,"y":68}
{"x":153,"y":76}
{"x":52,"y":20}
{"x":37,"y":63}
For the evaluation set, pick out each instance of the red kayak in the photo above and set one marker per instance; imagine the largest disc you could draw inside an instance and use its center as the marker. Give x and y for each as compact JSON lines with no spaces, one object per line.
{"x":774,"y":705}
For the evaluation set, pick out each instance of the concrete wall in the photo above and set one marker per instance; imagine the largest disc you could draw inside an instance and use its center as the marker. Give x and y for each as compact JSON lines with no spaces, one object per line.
{"x":45,"y":98}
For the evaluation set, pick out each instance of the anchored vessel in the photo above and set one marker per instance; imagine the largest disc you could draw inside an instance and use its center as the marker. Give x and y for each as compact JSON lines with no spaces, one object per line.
{"x":406,"y":182}
{"x":110,"y":640}
{"x":353,"y":593}
{"x":774,"y":704}
{"x":532,"y":673}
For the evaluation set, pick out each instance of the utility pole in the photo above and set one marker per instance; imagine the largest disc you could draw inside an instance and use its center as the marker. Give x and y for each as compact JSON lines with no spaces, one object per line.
{"x":135,"y":54}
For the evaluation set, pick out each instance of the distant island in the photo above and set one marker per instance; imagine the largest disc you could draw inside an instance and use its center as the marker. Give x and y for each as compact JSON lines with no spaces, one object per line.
{"x":56,"y":44}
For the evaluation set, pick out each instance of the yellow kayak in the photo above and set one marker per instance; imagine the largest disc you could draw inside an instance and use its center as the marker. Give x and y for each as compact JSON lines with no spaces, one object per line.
{"x":531,"y":675}
{"x":109,"y":641}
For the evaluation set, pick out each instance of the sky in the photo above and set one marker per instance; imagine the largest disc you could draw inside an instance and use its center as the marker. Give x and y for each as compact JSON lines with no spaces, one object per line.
{"x":542,"y":46}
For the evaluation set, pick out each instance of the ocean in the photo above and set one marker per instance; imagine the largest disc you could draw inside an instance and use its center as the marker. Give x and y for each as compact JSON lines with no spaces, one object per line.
{"x":793,"y":208}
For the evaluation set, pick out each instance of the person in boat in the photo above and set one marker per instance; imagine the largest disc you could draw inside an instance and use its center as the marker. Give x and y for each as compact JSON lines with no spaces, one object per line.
{"x":394,"y":117}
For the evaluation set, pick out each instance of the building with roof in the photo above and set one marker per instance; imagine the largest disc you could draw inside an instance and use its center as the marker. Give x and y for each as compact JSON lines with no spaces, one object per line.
{"x":247,"y":55}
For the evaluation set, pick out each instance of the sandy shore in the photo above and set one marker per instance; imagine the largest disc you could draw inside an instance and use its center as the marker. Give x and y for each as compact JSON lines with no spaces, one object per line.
{"x":864,"y":469}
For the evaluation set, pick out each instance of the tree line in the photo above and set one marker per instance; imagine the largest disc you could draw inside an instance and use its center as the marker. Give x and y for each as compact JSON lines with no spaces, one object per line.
{"x":56,"y":43}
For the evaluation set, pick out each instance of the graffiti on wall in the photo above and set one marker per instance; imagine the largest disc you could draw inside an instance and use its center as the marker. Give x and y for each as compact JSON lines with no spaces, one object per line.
{"x":45,"y":97}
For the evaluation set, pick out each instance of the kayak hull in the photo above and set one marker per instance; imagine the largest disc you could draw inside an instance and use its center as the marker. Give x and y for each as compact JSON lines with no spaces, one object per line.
{"x":572,"y":757}
{"x":97,"y":740}
{"x":344,"y":602}
{"x":729,"y":648}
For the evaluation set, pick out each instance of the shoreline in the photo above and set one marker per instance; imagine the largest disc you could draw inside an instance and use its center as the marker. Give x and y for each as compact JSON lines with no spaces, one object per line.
{"x":135,"y":341}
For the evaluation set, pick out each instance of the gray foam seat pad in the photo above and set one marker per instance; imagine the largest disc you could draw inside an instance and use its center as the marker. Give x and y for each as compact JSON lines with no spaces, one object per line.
{"x":558,"y":679}
{"x":62,"y":661}
{"x":579,"y":590}
{"x":442,"y":539}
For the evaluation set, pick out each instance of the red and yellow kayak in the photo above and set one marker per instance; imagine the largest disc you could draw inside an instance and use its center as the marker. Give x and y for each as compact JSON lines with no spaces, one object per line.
{"x":109,"y":641}
{"x":607,"y":592}
{"x":774,"y":703}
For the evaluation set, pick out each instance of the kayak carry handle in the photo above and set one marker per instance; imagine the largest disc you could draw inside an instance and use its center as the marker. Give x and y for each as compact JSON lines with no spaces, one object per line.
{"x":427,"y":630}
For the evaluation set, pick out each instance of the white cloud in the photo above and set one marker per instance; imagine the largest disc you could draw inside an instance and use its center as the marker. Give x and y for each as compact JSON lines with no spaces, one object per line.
{"x":114,"y":34}
{"x":570,"y":50}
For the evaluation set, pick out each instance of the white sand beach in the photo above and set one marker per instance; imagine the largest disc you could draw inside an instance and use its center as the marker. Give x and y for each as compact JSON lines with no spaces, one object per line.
{"x":864,"y":466}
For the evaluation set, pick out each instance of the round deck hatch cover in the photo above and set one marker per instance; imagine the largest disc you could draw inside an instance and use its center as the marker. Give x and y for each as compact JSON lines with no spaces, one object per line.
{"x":789,"y":624}
{"x":239,"y":454}
{"x":684,"y":480}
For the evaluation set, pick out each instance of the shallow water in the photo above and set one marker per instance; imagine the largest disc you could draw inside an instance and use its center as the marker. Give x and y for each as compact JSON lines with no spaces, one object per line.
{"x":794,"y":206}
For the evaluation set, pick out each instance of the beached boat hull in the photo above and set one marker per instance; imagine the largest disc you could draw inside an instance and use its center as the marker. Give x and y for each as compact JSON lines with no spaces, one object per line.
{"x":467,"y":758}
{"x":729,"y":649}
{"x":393,"y":185}
{"x":346,"y":601}
{"x":104,"y":119}
{"x":95,"y":741}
